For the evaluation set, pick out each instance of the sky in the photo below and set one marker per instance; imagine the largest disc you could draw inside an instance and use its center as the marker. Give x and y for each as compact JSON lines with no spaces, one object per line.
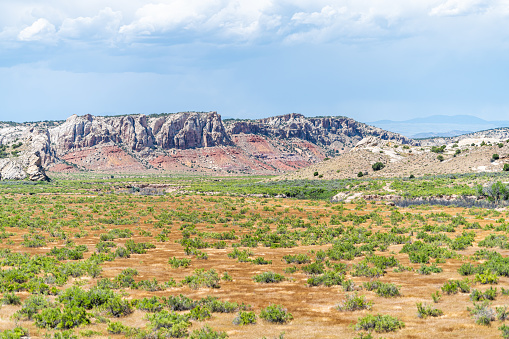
{"x":368,"y":60}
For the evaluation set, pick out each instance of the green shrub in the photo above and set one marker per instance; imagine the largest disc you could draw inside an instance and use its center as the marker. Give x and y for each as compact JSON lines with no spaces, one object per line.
{"x":118,"y":307}
{"x":382,"y":289}
{"x":482,"y":313}
{"x":269,"y":277}
{"x":297,"y":259}
{"x":149,"y":304}
{"x":495,"y":156}
{"x":505,"y":331}
{"x":314,"y":268}
{"x":360,"y":174}
{"x":117,"y":328}
{"x":245,"y":318}
{"x":172,"y":324}
{"x":176,"y":263}
{"x":16,"y":333}
{"x":437,"y":149}
{"x":200,"y":313}
{"x":377,"y":166}
{"x":452,"y":286}
{"x":486,"y":278}
{"x":202,"y":278}
{"x":489,"y":294}
{"x":70,"y":317}
{"x":354,"y":302}
{"x":364,"y":270}
{"x":31,"y":306}
{"x":506,"y":167}
{"x":440,"y":157}
{"x":436,"y":296}
{"x":276,"y":314}
{"x":379,"y":323}
{"x":426,"y":270}
{"x":261,"y":261}
{"x":11,"y":299}
{"x":327,"y":279}
{"x":502,"y":313}
{"x":466,"y":269}
{"x":424,"y":311}
{"x":206,"y":332}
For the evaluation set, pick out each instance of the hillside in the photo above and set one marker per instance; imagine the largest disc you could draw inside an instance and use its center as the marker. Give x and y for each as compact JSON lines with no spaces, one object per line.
{"x":466,"y":155}
{"x":184,"y":142}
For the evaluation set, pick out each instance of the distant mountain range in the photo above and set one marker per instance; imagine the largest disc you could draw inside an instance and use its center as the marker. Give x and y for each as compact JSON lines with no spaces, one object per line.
{"x":438,"y":125}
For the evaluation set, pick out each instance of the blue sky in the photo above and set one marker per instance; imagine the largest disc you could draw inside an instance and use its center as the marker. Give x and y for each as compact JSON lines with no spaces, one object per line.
{"x":369,"y":60}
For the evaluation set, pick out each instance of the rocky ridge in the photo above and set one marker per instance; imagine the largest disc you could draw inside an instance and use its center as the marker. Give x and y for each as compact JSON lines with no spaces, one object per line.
{"x":188,"y":141}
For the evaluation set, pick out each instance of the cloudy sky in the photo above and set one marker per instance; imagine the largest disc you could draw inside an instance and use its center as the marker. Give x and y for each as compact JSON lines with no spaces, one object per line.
{"x":369,"y":60}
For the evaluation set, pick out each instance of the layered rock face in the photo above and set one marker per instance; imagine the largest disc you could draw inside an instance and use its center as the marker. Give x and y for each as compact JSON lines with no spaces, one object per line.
{"x":181,"y":131}
{"x":324,"y":131}
{"x":187,"y":141}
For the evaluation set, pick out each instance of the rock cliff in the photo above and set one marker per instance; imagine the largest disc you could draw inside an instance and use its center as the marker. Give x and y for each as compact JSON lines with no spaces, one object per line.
{"x":327,"y":131}
{"x":187,"y":141}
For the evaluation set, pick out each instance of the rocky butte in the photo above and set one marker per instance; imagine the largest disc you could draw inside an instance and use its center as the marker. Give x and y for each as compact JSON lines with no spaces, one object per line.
{"x":187,"y":141}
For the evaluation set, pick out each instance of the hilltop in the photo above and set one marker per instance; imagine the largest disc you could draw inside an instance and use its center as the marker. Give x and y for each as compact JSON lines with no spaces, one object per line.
{"x":471,"y":153}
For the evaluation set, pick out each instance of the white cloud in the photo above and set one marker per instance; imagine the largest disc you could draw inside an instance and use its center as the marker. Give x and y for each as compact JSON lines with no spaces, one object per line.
{"x":163,"y":17}
{"x":326,"y":16}
{"x":229,"y":21}
{"x":238,"y":18}
{"x":105,"y":24}
{"x":40,"y":30}
{"x":460,"y":7}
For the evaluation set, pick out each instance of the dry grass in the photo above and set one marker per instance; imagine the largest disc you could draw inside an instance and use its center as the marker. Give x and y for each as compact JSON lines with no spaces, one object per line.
{"x":313,"y":308}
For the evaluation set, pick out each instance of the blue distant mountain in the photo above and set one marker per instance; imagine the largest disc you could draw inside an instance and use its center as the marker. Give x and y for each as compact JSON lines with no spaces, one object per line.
{"x":438,"y":125}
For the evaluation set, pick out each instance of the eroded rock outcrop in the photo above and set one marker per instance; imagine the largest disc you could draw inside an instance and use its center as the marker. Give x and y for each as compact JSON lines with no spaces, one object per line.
{"x":182,"y":141}
{"x":26,"y":166}
{"x":320,"y":130}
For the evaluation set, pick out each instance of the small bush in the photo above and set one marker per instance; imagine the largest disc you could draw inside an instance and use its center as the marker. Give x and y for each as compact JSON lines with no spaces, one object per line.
{"x":297,"y":259}
{"x":452,"y":286}
{"x":327,"y":279}
{"x":314,"y":268}
{"x":269,"y":277}
{"x":360,"y":175}
{"x":495,"y":156}
{"x":382,"y":289}
{"x":505,"y":331}
{"x":489,"y":294}
{"x":424,"y":311}
{"x":245,"y":318}
{"x":117,"y":328}
{"x":119,"y":307}
{"x":426,"y":270}
{"x":276,"y":314}
{"x":16,"y":333}
{"x":379,"y":323}
{"x":486,"y":278}
{"x":176,"y":263}
{"x":506,"y":168}
{"x":482,"y":313}
{"x":440,"y":157}
{"x":200,"y":313}
{"x":206,"y":332}
{"x":436,"y":296}
{"x":202,"y":278}
{"x":354,"y":302}
{"x":502,"y":313}
{"x":377,"y":166}
{"x":11,"y":299}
